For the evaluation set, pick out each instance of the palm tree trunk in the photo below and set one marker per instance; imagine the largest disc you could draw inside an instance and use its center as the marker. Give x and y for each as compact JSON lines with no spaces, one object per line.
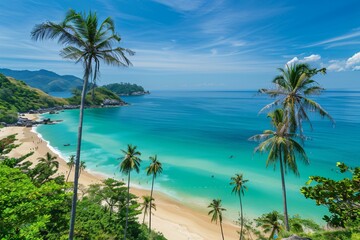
{"x":151,"y":194}
{"x":272,"y":234}
{"x":127,"y":207}
{"x":222,"y":232}
{"x":67,"y":178}
{"x":242,"y":218}
{"x":144,"y":217}
{"x":78,"y":150}
{"x":284,"y":194}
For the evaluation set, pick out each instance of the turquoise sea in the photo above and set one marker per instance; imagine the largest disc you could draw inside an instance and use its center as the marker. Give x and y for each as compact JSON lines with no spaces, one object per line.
{"x":202,"y":140}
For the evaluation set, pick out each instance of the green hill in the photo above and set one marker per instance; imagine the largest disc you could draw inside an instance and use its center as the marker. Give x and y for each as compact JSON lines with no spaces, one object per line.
{"x":45,"y":80}
{"x":101,"y":95}
{"x":126,"y":89}
{"x":16,"y":96}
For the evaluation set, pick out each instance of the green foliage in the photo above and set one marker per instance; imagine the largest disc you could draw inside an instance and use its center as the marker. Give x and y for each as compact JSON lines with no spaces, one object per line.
{"x":28,"y":211}
{"x":273,"y":223}
{"x":340,"y":197}
{"x":100,"y":94}
{"x":35,"y":203}
{"x":16,"y":96}
{"x":124,"y":88}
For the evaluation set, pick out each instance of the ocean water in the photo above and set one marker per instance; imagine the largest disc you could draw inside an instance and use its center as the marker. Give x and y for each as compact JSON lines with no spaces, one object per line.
{"x":202,"y":140}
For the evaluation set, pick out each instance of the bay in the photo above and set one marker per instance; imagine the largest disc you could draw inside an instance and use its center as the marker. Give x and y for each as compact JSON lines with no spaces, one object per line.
{"x":202,"y":140}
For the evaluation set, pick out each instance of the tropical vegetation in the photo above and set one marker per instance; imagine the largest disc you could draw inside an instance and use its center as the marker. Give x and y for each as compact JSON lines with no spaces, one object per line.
{"x":31,"y":208}
{"x":88,"y":42}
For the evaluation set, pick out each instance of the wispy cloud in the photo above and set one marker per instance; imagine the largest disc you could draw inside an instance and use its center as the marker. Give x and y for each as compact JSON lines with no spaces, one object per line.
{"x":338,"y":39}
{"x":182,"y":5}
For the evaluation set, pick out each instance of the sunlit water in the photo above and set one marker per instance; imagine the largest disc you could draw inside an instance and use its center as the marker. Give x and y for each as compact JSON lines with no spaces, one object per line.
{"x":202,"y":140}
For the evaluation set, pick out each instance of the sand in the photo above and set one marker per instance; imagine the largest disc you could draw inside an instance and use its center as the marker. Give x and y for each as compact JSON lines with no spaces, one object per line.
{"x":175,"y":220}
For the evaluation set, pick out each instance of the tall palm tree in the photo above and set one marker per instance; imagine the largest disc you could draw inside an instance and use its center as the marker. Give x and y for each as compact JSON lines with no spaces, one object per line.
{"x":271,"y":223}
{"x":154,"y":169}
{"x":239,"y":186}
{"x":70,"y":164}
{"x":84,"y":41}
{"x":282,"y":147}
{"x":293,"y":86}
{"x":147,"y":204}
{"x":216,"y":213}
{"x":131,"y":161}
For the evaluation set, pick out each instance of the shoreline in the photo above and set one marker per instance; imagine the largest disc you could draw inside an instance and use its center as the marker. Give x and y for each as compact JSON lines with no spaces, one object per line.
{"x":172,"y":218}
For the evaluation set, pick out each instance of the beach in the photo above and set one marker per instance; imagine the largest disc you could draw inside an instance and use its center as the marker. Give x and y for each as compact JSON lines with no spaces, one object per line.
{"x":175,"y":220}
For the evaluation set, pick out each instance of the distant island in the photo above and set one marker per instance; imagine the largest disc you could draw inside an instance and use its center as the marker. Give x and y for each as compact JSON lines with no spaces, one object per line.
{"x":126,"y":89}
{"x":17,"y":97}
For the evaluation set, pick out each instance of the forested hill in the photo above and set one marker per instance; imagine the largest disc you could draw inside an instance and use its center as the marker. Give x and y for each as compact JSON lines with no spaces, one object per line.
{"x":17,"y":96}
{"x":45,"y":80}
{"x":126,"y":89}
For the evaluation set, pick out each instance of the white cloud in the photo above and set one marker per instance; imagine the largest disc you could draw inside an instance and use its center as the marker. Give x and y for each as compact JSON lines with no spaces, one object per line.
{"x":292,"y":61}
{"x":312,"y":58}
{"x":355,"y":59}
{"x":352,"y":63}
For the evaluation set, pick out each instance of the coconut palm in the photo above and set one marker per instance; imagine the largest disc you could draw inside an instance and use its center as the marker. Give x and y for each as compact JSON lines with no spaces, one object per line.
{"x":270,"y":222}
{"x":70,"y":164}
{"x":49,"y":161}
{"x":293,"y":86}
{"x":154,"y":169}
{"x":147,"y":204}
{"x":282,"y":148}
{"x":216,"y":213}
{"x":239,"y":186}
{"x":131,"y":161}
{"x":82,"y":167}
{"x":84,"y":41}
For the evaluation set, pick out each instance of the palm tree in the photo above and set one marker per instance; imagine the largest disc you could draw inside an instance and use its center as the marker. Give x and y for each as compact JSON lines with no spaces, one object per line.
{"x":147,"y":204}
{"x":82,"y":167}
{"x":84,"y":41}
{"x":293,"y":86}
{"x":239,"y":186}
{"x":271,"y":223}
{"x":70,"y":164}
{"x":154,"y":169}
{"x":49,"y":161}
{"x":130,"y":162}
{"x":282,"y":147}
{"x":216,"y":213}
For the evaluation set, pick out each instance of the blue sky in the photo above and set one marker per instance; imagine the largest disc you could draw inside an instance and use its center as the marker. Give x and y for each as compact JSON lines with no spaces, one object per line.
{"x":199,"y":44}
